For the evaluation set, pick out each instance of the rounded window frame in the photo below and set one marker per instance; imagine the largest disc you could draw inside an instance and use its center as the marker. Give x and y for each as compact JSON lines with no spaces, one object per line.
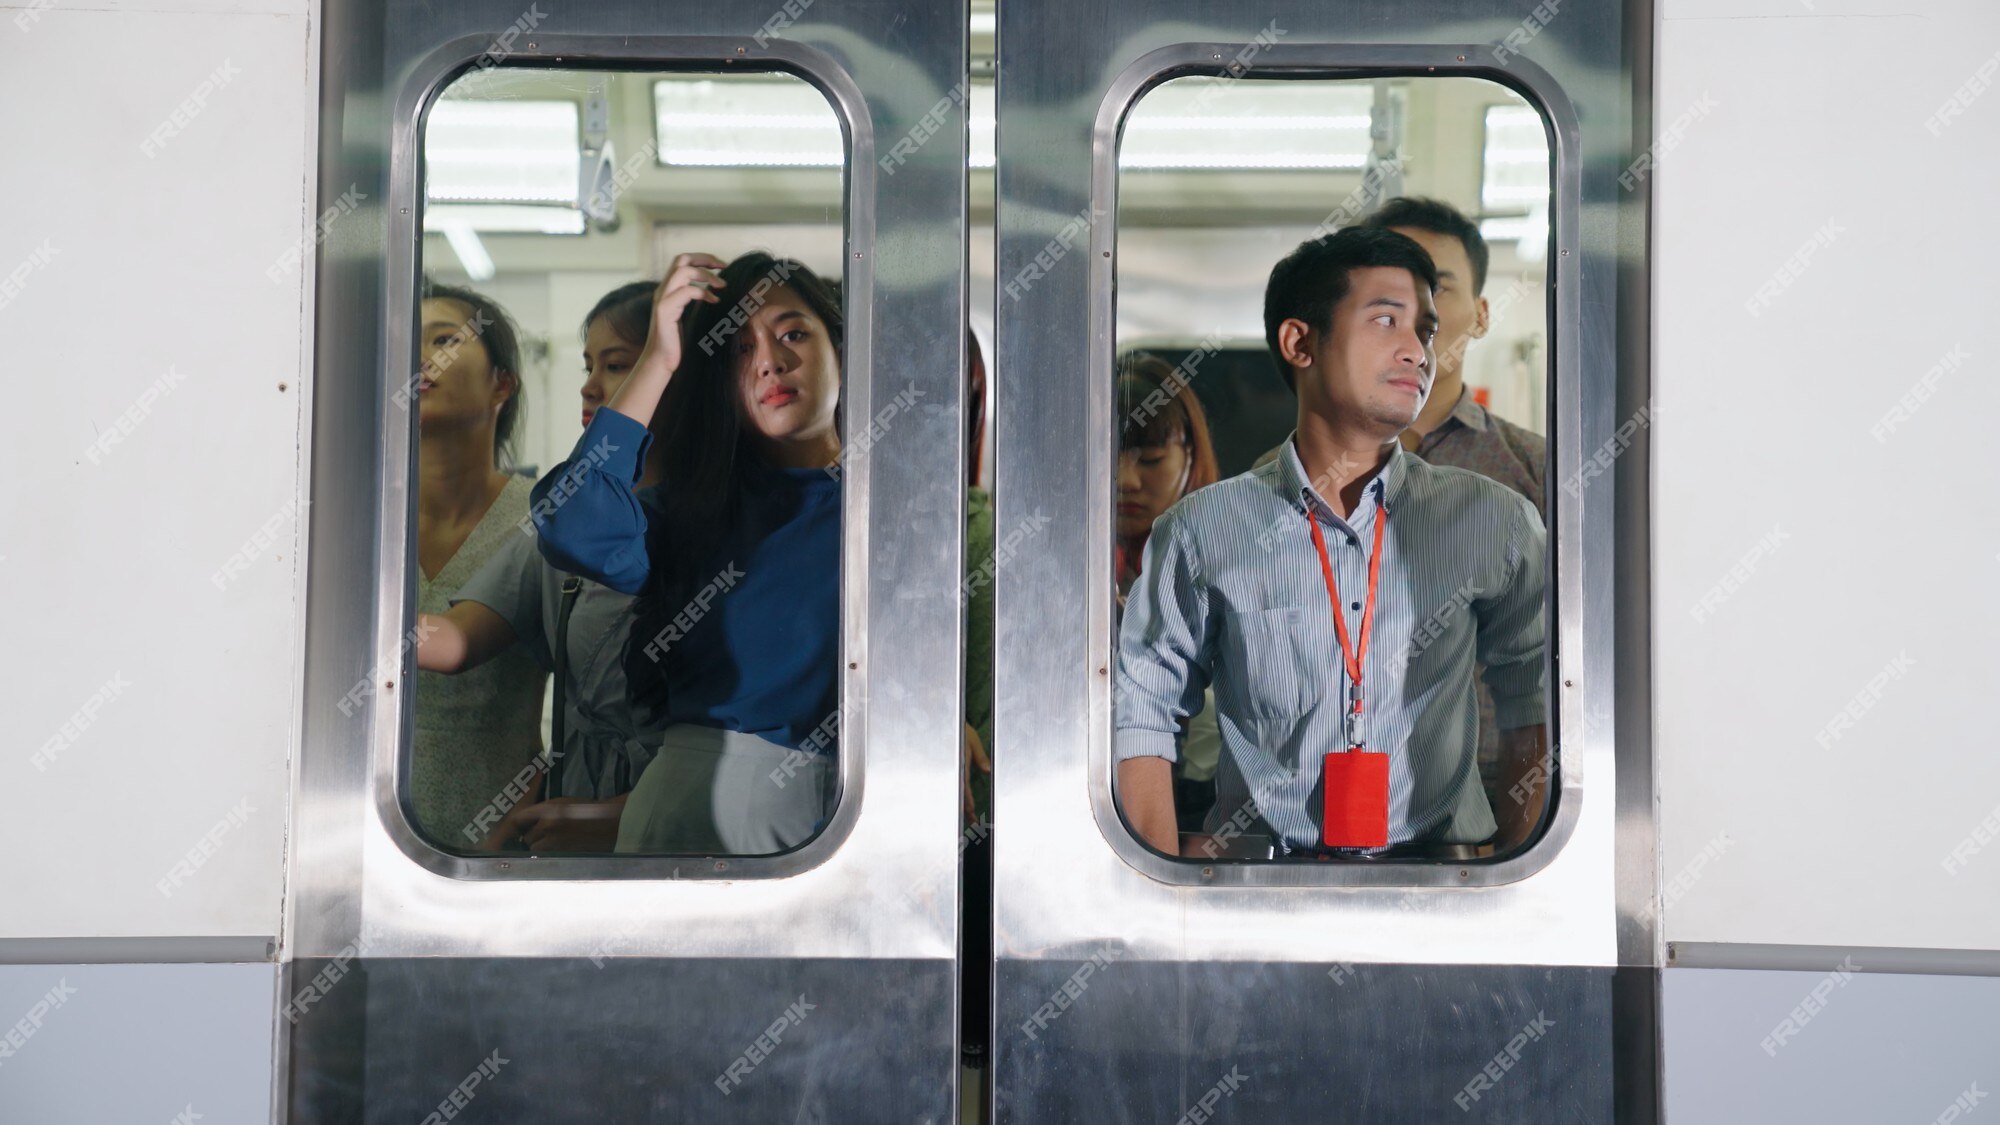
{"x":392,"y":735}
{"x":1567,"y":599}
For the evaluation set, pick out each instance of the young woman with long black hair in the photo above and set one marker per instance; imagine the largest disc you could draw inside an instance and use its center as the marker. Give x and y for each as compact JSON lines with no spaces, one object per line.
{"x":735,"y":554}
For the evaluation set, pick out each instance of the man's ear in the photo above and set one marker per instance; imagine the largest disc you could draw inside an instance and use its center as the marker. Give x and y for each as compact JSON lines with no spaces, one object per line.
{"x":1482,"y":319}
{"x":1296,"y":339}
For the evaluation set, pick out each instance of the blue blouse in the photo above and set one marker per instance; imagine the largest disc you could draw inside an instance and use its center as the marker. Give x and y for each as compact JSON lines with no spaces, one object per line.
{"x":757,"y":646}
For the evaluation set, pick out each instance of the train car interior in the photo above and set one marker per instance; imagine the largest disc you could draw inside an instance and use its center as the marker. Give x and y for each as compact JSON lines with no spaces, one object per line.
{"x":1218,"y":178}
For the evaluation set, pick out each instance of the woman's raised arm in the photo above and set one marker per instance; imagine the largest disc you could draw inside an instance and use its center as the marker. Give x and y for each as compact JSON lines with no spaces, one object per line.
{"x":589,"y":518}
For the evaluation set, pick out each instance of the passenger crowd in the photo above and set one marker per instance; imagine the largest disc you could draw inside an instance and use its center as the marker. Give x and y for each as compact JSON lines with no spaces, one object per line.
{"x":1294,"y":671}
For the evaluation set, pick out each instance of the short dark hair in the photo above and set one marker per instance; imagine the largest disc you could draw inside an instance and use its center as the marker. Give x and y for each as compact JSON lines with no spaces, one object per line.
{"x":1312,"y":279}
{"x":496,"y":332}
{"x":1417,"y":212}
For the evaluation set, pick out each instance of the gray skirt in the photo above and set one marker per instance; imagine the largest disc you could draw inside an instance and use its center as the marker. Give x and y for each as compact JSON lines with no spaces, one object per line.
{"x":720,"y":792}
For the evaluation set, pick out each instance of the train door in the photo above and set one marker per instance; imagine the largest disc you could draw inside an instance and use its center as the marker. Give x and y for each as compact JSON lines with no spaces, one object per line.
{"x":431,"y":977}
{"x":1250,"y":977}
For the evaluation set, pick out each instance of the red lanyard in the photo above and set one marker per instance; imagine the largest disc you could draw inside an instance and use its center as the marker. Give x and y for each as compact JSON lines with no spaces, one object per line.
{"x":1352,"y":654}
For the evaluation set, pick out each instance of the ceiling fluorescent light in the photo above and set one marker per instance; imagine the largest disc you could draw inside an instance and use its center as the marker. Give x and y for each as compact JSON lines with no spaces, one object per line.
{"x":502,"y":151}
{"x":1514,"y":162}
{"x":1211,"y":122}
{"x":494,"y":218}
{"x":760,"y":122}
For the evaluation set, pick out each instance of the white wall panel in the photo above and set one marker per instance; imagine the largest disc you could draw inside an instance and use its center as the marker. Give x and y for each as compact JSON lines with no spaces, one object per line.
{"x":159,"y":321}
{"x":1879,"y":540}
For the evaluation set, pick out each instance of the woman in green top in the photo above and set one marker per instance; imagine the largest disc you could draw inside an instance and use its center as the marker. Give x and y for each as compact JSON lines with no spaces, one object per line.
{"x":473,"y":732}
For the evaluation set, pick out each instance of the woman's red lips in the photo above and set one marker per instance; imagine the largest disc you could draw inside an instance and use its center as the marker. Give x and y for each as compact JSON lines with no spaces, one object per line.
{"x":779,"y":396}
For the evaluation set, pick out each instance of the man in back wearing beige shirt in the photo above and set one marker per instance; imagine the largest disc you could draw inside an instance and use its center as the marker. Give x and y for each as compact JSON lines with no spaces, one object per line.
{"x":1453,"y":429}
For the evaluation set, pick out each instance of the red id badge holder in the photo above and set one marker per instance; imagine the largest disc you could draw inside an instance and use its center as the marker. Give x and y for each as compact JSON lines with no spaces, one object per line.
{"x":1357,"y":799}
{"x":1355,"y":782}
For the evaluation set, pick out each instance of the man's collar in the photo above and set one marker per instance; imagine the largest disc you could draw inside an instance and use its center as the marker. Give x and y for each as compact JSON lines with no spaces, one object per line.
{"x":1387,"y":484}
{"x":1467,"y":410}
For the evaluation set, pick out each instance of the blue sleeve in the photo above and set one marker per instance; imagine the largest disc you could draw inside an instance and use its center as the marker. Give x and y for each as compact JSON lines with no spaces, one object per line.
{"x":589,"y":520}
{"x":1162,"y":647}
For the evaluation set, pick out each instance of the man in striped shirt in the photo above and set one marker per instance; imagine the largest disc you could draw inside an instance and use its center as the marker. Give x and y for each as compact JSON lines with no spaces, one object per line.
{"x":1234,"y":592}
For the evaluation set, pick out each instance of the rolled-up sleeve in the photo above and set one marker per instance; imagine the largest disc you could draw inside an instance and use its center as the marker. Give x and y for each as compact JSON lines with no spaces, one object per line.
{"x":1163,"y":665}
{"x":1513,"y":627}
{"x":589,"y":519}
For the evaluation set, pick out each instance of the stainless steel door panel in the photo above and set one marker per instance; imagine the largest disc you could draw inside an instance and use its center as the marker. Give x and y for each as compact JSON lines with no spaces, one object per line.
{"x":872,"y":904}
{"x":1194,"y":945}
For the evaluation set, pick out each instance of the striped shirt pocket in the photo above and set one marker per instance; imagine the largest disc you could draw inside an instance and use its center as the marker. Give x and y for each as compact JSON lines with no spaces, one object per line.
{"x":1266,"y":668}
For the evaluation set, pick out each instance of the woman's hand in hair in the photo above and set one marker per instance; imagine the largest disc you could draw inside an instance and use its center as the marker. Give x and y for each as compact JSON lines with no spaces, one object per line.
{"x":692,"y":278}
